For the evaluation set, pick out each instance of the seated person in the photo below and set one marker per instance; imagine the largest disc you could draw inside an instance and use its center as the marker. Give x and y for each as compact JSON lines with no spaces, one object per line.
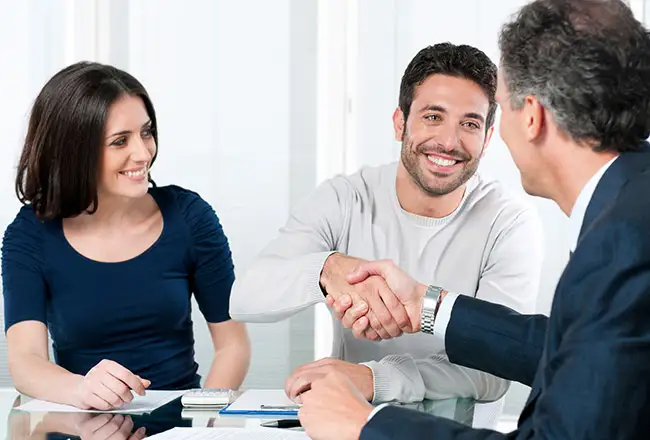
{"x":106,"y":262}
{"x":431,"y":213}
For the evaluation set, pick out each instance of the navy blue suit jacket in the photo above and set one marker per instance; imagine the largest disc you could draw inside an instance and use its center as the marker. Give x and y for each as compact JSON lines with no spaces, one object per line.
{"x":589,"y":363}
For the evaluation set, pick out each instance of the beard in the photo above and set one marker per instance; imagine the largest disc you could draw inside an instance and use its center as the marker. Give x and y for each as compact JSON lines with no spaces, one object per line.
{"x":433,"y":183}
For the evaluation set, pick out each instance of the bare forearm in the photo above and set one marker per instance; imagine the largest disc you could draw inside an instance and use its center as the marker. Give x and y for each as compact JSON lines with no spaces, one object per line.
{"x":42,"y":379}
{"x":229,"y":367}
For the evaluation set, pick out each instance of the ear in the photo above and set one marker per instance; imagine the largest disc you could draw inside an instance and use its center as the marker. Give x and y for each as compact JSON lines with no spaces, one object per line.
{"x":488,"y":136}
{"x":398,"y":124}
{"x":533,"y":114}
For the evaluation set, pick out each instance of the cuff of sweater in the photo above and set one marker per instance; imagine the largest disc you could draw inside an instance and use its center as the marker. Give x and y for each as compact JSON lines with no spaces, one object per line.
{"x":313,"y":271}
{"x":381,"y":382}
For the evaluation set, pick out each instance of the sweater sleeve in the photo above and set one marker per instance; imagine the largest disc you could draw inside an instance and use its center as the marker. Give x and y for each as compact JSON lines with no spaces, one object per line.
{"x":23,"y":285}
{"x":510,"y":278}
{"x":285,"y":278}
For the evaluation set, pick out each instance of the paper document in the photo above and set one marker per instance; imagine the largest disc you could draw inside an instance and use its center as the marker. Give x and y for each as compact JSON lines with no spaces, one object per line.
{"x":139,"y":405}
{"x":229,"y":434}
{"x":262,"y":401}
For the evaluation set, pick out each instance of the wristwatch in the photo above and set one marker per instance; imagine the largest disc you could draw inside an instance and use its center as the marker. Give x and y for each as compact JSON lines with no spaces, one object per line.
{"x":430,"y":304}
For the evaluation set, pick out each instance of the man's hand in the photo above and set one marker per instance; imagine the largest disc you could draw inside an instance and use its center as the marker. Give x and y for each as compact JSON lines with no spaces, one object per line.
{"x":370,"y":297}
{"x":334,"y":409}
{"x":303,"y":377}
{"x":409,"y":292}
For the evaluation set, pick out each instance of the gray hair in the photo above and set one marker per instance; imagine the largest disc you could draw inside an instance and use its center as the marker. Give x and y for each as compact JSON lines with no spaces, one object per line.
{"x":588,"y":64}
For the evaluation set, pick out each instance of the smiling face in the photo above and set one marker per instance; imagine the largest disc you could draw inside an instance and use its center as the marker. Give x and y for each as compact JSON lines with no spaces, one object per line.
{"x":128,"y":151}
{"x":445,"y":135}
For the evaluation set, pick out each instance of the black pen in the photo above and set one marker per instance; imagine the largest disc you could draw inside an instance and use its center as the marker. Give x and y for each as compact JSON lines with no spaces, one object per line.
{"x":286,"y":423}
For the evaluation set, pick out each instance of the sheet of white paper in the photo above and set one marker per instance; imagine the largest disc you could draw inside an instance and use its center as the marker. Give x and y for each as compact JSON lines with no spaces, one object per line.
{"x":139,"y":405}
{"x":252,"y":400}
{"x":229,"y":434}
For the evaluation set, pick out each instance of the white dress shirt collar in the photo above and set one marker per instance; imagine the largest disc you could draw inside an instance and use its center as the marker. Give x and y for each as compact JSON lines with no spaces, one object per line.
{"x":580,"y":207}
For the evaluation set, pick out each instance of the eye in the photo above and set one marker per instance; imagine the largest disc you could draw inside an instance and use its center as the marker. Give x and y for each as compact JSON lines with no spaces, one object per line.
{"x":147,"y":132}
{"x":432,"y":117}
{"x":472,"y":125}
{"x":119,"y":142}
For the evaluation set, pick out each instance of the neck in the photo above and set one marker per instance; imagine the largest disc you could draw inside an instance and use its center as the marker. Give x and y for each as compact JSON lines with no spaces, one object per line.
{"x":114,"y":211}
{"x":572,"y":172}
{"x":415,"y":200}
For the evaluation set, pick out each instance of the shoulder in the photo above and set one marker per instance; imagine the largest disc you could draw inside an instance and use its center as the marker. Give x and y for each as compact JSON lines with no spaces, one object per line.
{"x":492,"y":202}
{"x":24,"y":235}
{"x":189,"y":204}
{"x":365,"y":183}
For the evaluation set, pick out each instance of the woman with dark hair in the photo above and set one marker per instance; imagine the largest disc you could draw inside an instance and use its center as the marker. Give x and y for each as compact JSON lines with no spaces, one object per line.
{"x":106,"y":260}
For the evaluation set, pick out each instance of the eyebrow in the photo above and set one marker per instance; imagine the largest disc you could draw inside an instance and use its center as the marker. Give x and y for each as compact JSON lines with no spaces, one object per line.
{"x":438,"y":108}
{"x":123,"y":132}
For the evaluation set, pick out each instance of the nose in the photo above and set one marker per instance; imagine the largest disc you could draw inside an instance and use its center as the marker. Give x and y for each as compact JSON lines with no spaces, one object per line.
{"x":140,"y":150}
{"x":448,"y":136}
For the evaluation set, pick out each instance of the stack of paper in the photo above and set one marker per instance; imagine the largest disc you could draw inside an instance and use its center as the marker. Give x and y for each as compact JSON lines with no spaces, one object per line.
{"x":229,"y":434}
{"x":139,"y":405}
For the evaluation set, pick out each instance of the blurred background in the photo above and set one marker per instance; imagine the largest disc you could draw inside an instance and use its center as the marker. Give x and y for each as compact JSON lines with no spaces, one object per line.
{"x":258,"y":101}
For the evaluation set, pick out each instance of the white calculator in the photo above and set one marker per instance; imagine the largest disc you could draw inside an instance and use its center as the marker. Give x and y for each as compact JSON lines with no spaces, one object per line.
{"x":207,"y":397}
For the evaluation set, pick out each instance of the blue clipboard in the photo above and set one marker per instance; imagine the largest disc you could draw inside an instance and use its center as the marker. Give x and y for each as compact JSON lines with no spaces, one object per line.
{"x":260,"y":412}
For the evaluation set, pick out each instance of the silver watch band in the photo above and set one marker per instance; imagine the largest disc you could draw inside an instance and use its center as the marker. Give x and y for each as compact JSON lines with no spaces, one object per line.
{"x":428,"y":315}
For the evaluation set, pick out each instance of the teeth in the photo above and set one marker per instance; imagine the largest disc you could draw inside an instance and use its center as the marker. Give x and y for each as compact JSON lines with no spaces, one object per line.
{"x":442,"y":162}
{"x":135,"y":173}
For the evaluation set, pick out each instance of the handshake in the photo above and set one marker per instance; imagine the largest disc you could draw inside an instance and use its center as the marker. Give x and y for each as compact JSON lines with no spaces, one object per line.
{"x":377,"y":300}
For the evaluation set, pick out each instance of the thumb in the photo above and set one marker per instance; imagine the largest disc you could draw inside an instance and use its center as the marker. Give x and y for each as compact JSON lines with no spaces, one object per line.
{"x":365,"y":270}
{"x":145,"y":382}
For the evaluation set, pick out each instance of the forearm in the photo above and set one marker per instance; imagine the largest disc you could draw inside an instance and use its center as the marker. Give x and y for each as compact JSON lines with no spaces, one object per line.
{"x":404,"y":379}
{"x":275,"y":287}
{"x":229,"y":367}
{"x":39,"y":378}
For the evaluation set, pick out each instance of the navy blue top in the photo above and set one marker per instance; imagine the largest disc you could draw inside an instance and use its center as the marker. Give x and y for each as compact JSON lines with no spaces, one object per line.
{"x":136,"y":312}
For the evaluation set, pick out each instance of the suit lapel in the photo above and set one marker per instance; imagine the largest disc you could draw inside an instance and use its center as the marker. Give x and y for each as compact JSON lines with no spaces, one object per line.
{"x":623,"y":168}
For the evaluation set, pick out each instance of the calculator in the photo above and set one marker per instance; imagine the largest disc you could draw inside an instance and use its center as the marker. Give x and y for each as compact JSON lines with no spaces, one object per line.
{"x":207,"y":397}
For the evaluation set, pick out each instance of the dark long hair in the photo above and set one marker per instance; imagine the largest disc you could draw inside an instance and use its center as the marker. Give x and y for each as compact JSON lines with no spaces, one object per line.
{"x":59,"y":164}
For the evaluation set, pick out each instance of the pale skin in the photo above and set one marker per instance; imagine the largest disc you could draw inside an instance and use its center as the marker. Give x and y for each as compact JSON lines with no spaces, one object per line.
{"x":126,"y":223}
{"x":447,"y":121}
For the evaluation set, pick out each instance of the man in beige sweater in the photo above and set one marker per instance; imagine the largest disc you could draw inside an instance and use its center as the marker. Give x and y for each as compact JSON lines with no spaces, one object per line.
{"x":431,"y":214}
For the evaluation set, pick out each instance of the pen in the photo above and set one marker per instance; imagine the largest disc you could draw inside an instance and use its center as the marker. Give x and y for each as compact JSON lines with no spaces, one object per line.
{"x":281,"y":407}
{"x":287,"y":423}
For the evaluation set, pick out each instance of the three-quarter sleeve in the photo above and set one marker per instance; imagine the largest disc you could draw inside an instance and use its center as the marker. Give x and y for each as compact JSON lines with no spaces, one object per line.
{"x":23,"y":284}
{"x":213,"y":272}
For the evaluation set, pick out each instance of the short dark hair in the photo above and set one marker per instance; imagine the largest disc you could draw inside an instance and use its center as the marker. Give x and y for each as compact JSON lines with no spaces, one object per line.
{"x":460,"y":61}
{"x":59,"y":163}
{"x":588,"y":64}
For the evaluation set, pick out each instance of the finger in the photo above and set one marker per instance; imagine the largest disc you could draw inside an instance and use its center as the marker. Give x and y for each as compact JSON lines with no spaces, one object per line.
{"x":371,"y":335}
{"x":106,"y":393}
{"x":396,"y":310}
{"x":95,"y":401}
{"x":377,"y":326}
{"x":299,"y":386}
{"x":360,"y":326}
{"x":329,"y":300}
{"x":131,"y":380}
{"x":110,"y":428}
{"x":118,"y":387}
{"x":379,"y":309}
{"x":145,"y":382}
{"x":139,"y":434}
{"x":95,"y":423}
{"x":341,"y":305}
{"x":124,"y":430}
{"x":365,"y":270}
{"x":353,"y":314}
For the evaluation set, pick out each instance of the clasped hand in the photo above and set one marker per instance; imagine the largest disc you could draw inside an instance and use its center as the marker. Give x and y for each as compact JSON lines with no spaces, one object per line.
{"x":377,"y":300}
